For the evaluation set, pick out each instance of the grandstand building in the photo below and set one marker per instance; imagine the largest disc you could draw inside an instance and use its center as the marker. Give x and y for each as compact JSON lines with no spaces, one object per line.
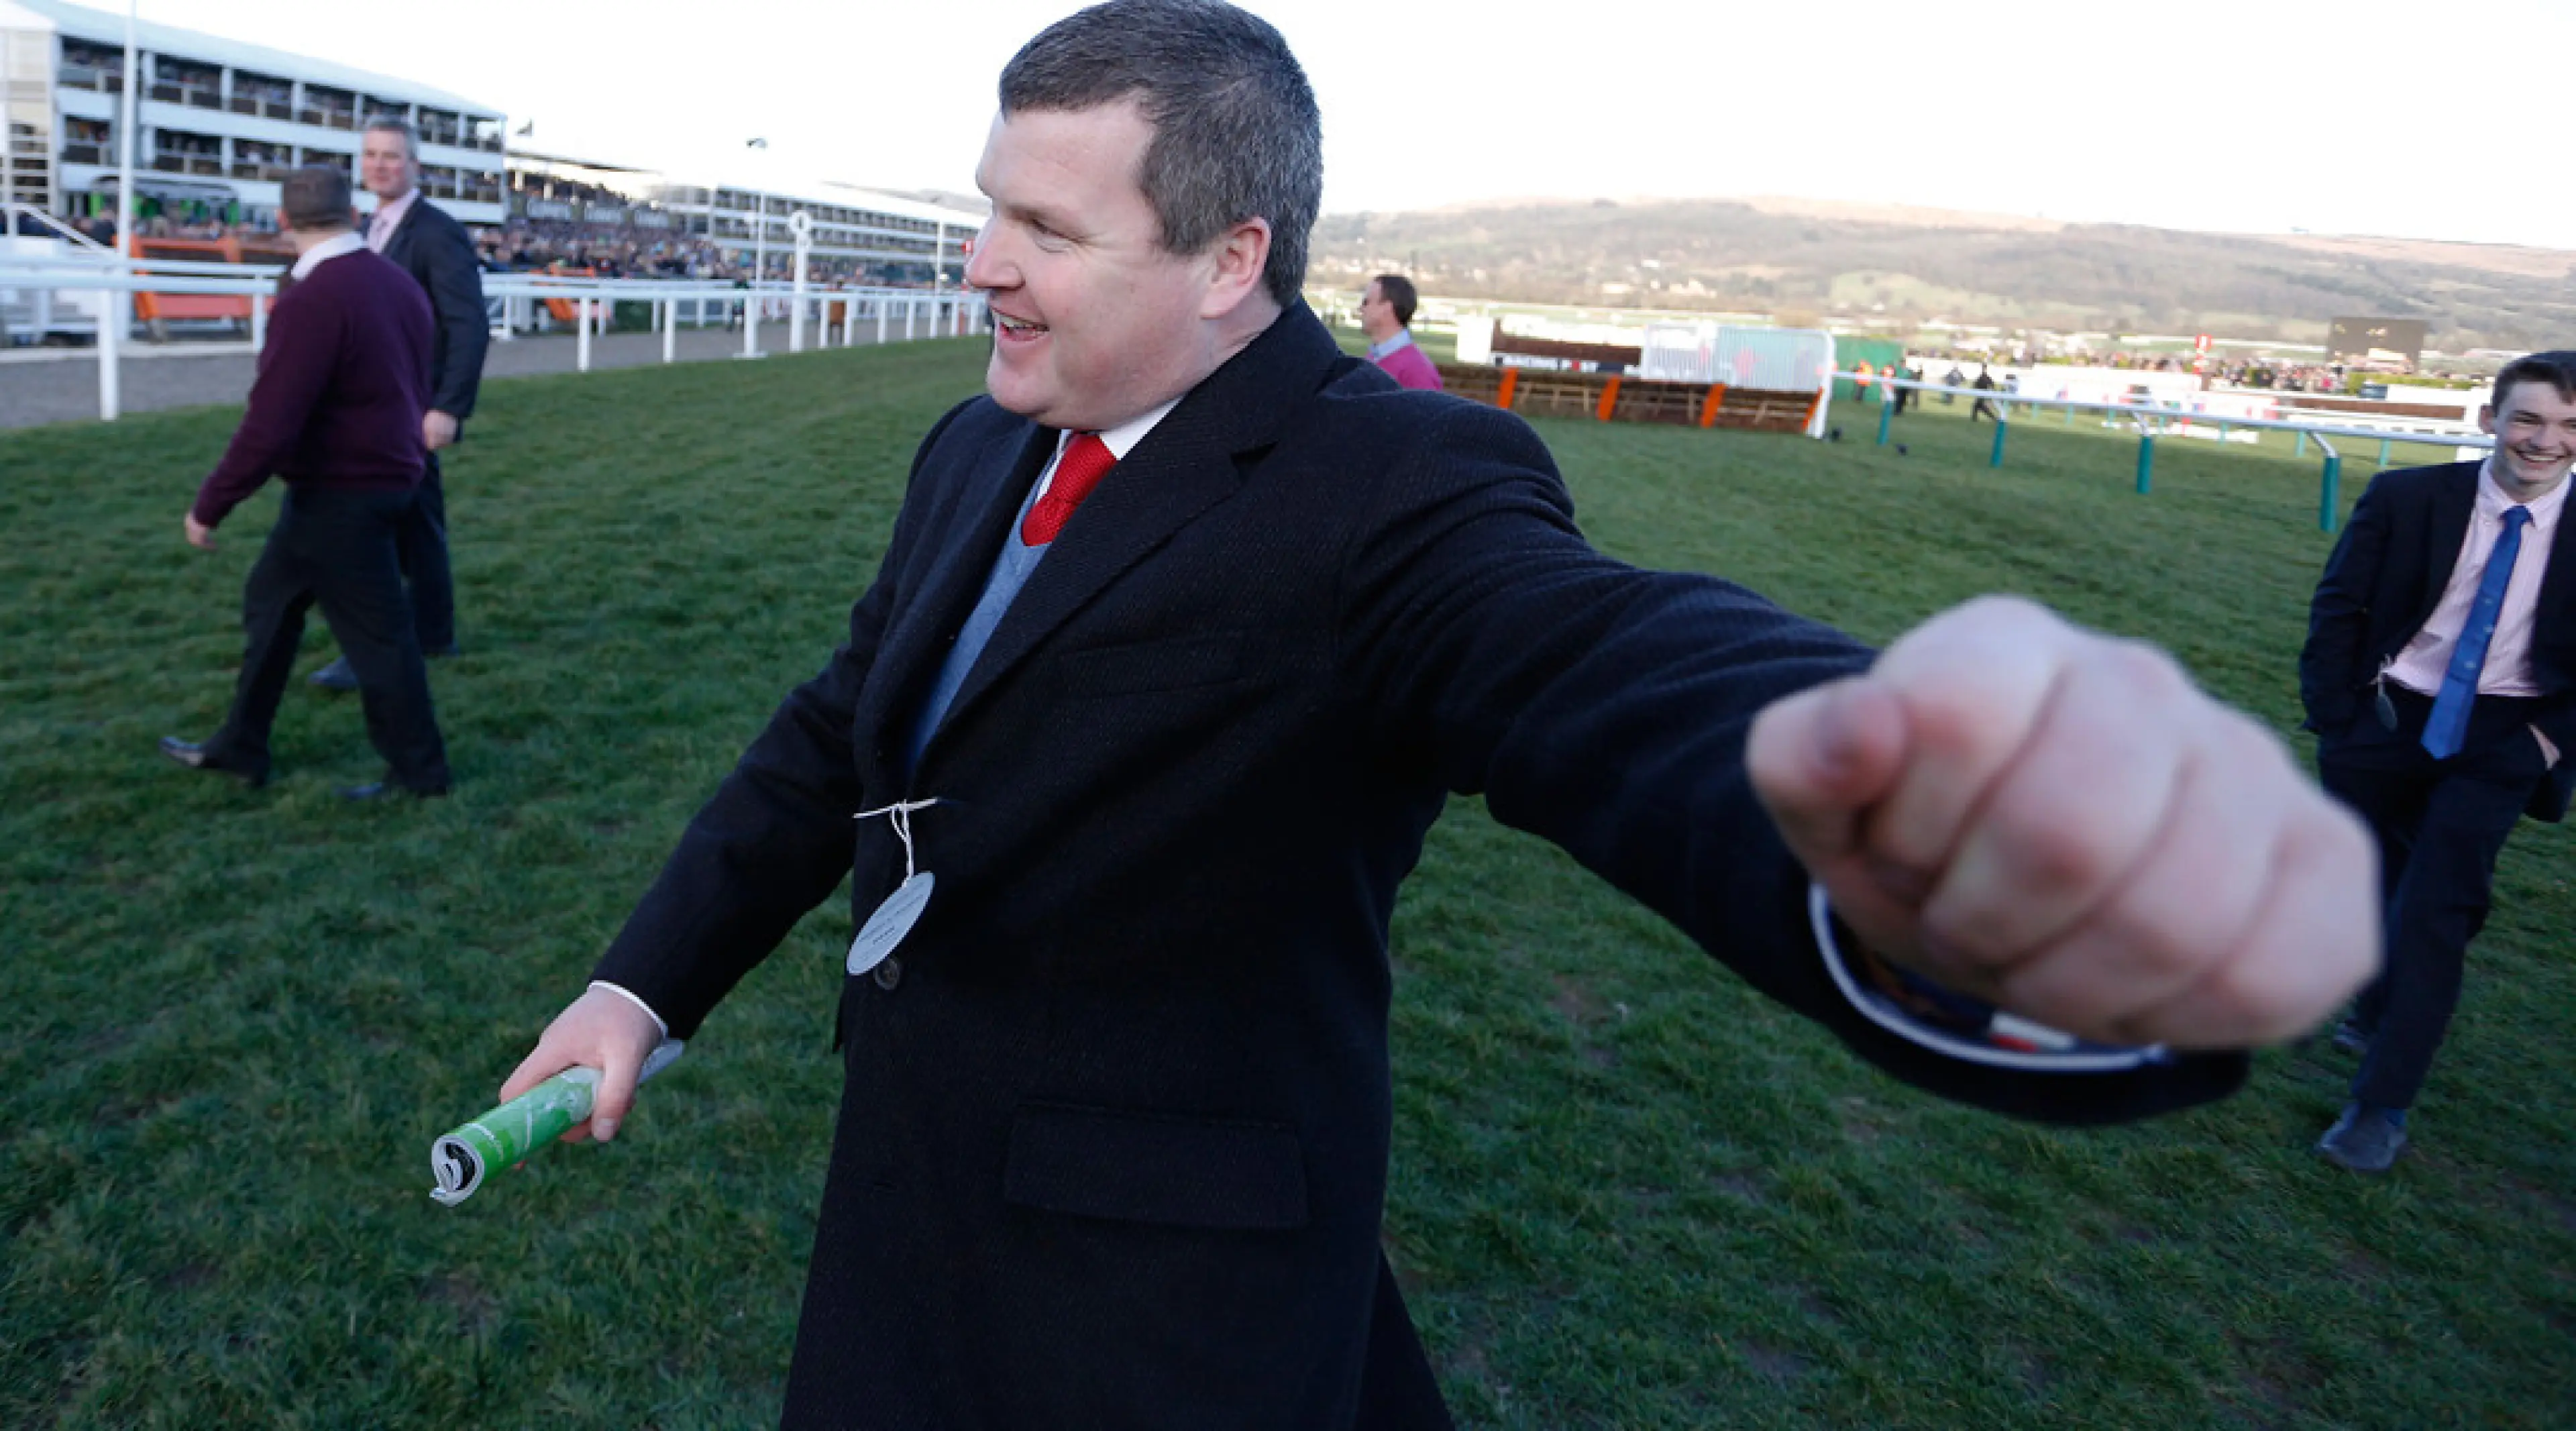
{"x":900,"y":240}
{"x":891,"y":238}
{"x":218,"y":122}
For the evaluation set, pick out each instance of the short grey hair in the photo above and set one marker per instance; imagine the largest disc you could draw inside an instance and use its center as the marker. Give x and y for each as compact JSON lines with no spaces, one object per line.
{"x":1236,"y":132}
{"x":396,"y":124}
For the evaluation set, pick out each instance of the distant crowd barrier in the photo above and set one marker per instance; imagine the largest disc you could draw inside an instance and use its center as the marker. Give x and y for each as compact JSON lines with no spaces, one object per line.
{"x":75,"y":293}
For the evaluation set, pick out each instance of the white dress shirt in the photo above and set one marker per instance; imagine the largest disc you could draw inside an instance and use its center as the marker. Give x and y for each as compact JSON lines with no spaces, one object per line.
{"x":329,"y":248}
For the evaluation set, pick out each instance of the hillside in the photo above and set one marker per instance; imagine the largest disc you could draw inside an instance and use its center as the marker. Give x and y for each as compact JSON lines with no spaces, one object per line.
{"x":1821,"y":259}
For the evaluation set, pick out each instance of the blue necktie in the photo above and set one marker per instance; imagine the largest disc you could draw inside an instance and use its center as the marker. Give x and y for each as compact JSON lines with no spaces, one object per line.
{"x":2449,"y":722}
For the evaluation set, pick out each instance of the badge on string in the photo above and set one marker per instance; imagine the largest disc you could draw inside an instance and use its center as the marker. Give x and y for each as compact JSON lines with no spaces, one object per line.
{"x":900,"y":910}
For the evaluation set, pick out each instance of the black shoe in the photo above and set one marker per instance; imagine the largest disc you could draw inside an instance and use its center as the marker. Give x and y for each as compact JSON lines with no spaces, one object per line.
{"x":2351,"y":1037}
{"x":196,"y":757}
{"x":2363,"y":1140}
{"x":335,"y":677}
{"x":386,"y":790}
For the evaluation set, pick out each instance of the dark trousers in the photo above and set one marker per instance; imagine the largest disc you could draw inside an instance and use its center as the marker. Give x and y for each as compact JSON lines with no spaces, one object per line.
{"x":336,"y":547}
{"x":2440,"y":825}
{"x":421,"y":542}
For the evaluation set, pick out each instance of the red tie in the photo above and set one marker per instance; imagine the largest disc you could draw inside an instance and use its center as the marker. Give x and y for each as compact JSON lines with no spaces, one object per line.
{"x":1086,"y":460}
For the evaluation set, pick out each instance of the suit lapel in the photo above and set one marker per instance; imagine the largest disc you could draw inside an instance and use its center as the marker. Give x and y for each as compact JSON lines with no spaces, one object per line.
{"x":2454,"y":499}
{"x":1184,"y":467}
{"x":996,"y":478}
{"x":398,"y":244}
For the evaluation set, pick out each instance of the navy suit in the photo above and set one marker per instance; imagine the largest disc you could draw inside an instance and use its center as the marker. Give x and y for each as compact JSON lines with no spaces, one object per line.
{"x":431,"y":246}
{"x":2440,"y":824}
{"x":1113,"y":1144}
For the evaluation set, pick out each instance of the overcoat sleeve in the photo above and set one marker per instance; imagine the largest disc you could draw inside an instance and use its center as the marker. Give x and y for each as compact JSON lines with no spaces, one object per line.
{"x":1606,"y":708}
{"x":775,"y":840}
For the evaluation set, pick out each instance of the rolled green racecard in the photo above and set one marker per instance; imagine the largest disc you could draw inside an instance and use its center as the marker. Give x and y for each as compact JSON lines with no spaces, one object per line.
{"x":460,"y":1159}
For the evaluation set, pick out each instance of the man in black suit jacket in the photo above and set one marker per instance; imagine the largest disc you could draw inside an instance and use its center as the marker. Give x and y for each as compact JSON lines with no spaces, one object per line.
{"x":430,"y":245}
{"x":2399,"y":600}
{"x":1113,"y":1144}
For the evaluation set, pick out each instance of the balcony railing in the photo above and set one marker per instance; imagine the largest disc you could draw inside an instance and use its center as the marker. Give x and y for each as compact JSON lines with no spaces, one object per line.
{"x":86,"y":154}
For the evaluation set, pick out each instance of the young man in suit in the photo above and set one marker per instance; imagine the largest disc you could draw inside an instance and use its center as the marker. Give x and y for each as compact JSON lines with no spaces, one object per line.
{"x":336,"y":413}
{"x":1386,"y":316}
{"x":2440,"y":678}
{"x":425,"y":242}
{"x":1183,"y":635}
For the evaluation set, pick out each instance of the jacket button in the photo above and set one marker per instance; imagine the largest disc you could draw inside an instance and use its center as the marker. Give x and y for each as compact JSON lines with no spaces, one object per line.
{"x":889,"y":974}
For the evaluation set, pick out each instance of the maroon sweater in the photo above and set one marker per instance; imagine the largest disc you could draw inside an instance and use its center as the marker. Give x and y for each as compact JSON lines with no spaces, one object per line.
{"x":341,"y":389}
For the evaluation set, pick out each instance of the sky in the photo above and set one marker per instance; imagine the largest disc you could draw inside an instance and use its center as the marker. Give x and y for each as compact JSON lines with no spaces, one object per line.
{"x":2260,"y":116}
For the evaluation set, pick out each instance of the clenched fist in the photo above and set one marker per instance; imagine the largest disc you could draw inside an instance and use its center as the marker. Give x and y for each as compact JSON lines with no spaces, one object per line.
{"x":2063,"y":824}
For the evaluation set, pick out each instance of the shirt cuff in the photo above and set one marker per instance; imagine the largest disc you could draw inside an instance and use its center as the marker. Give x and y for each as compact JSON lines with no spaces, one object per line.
{"x":630,"y":996}
{"x":1952,"y":1024}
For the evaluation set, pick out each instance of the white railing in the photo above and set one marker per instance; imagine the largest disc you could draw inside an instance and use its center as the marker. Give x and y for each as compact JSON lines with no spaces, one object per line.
{"x":593,"y":301}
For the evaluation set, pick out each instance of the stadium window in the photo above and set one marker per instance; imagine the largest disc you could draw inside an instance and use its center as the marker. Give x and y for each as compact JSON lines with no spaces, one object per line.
{"x":87,"y":66}
{"x":88,"y":141}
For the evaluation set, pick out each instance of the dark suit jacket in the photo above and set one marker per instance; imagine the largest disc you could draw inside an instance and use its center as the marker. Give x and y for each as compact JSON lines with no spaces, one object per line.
{"x":2384,"y":579}
{"x":431,"y":246}
{"x":1113,"y":1146}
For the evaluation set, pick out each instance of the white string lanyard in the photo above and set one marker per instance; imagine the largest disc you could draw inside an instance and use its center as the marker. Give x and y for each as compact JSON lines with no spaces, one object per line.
{"x":901,"y":810}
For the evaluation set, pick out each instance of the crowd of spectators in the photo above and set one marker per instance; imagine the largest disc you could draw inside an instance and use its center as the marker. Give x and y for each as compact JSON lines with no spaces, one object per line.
{"x":607,"y":251}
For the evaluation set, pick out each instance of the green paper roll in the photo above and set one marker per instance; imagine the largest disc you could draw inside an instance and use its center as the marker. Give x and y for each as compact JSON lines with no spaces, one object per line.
{"x":461,"y":1158}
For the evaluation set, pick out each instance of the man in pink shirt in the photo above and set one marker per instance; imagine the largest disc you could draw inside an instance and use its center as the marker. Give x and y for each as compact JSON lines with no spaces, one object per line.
{"x":2440,"y":678}
{"x":1386,"y":316}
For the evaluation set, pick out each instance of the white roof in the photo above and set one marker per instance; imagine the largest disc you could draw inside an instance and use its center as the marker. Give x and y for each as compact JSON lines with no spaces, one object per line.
{"x":79,"y":22}
{"x":838,"y":194}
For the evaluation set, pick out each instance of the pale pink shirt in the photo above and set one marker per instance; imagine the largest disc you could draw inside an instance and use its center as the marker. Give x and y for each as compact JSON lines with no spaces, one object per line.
{"x":2508,"y":668}
{"x":388,"y":217}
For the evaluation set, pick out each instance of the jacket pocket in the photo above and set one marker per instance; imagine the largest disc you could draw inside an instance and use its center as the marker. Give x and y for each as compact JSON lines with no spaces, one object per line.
{"x":1143,"y":1167}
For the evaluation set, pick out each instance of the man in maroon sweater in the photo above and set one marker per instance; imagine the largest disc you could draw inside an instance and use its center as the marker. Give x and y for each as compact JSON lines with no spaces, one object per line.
{"x":336,"y":412}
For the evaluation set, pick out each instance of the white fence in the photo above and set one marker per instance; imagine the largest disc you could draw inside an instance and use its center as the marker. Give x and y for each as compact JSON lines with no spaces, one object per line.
{"x":72,"y":293}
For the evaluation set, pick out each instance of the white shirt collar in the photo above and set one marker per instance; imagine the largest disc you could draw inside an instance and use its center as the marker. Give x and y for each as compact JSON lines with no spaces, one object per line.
{"x":1122,"y":439}
{"x":328,"y":249}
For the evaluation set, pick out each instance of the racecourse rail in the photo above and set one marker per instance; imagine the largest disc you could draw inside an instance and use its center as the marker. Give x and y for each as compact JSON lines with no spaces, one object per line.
{"x":2153,"y":421}
{"x":587,"y":303}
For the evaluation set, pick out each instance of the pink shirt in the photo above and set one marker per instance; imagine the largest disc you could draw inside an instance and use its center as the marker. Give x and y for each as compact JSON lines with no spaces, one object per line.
{"x":1405,"y":363}
{"x":388,"y":217}
{"x":2508,"y":669}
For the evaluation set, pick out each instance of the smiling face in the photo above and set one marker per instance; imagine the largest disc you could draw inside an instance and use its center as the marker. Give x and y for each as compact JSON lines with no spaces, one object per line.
{"x":386,"y":165}
{"x":1093,"y":322}
{"x":2535,"y":432}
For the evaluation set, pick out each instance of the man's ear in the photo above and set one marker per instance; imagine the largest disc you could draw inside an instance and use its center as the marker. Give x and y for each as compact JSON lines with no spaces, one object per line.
{"x":1242,"y":257}
{"x":2486,"y":418}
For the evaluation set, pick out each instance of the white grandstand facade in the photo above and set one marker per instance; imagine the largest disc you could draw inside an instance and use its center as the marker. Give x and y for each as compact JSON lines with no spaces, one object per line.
{"x":218,"y":122}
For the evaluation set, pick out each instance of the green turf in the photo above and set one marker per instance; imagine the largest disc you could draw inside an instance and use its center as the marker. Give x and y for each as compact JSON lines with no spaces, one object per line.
{"x":1625,"y":1192}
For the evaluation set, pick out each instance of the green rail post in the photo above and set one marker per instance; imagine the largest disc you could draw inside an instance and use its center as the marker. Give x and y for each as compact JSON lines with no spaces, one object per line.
{"x":2327,"y":494}
{"x":1886,"y":410}
{"x":2383,"y":452}
{"x":2001,"y":427}
{"x":2303,"y":444}
{"x":2146,"y":461}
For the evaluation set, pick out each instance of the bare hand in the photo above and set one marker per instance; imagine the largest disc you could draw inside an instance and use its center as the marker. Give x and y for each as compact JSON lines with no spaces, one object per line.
{"x":200,"y":536}
{"x":2061,"y":823}
{"x":437,"y":429}
{"x":599,"y":1030}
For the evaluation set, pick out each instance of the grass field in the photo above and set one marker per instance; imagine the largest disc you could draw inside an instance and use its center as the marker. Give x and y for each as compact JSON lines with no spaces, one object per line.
{"x":1626,"y":1193}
